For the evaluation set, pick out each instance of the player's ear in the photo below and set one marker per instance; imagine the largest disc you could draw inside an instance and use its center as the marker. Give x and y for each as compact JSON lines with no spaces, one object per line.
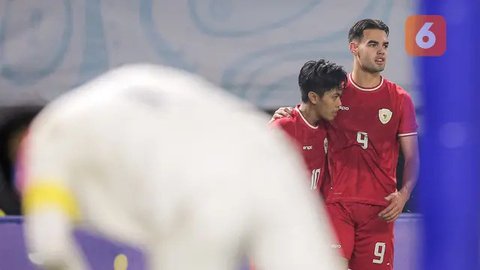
{"x":313,"y":97}
{"x":353,"y":47}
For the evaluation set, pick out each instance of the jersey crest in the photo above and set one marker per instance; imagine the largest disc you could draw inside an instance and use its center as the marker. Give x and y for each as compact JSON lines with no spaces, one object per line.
{"x":384,"y":115}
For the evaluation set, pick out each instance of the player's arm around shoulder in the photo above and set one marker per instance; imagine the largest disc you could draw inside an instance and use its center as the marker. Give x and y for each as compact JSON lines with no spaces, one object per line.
{"x":286,"y":125}
{"x":282,"y":112}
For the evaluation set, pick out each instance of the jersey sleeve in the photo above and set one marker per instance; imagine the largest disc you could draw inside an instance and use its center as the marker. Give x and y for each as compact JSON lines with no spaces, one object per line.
{"x":408,"y":123}
{"x":286,"y":124}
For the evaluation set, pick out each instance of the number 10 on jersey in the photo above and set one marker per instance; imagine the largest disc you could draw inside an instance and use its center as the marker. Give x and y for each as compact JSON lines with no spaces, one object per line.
{"x":315,"y":177}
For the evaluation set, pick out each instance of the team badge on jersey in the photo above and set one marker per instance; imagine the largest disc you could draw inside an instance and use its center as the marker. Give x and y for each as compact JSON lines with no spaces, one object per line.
{"x":325,"y":145}
{"x":384,"y":115}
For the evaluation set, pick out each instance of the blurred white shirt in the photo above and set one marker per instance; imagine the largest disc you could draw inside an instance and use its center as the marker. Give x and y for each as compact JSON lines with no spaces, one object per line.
{"x":163,"y":160}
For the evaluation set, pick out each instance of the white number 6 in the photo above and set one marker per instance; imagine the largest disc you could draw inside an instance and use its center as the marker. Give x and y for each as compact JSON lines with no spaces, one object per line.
{"x":362,"y":138}
{"x":425,"y":32}
{"x":379,"y":251}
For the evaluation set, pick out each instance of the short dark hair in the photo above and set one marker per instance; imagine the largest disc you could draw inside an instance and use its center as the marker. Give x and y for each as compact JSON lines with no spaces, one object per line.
{"x":319,"y":77}
{"x":356,"y":32}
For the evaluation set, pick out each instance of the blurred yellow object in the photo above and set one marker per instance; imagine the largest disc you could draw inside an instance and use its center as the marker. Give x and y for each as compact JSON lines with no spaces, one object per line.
{"x":50,"y":194}
{"x":2,"y":214}
{"x":120,"y":262}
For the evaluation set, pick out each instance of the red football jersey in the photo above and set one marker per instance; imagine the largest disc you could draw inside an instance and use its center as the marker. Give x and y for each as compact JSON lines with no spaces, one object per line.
{"x":364,"y":141}
{"x":311,"y":142}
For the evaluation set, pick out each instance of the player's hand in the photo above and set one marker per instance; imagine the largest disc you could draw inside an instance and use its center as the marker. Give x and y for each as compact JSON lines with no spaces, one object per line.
{"x":394,"y":209}
{"x":281,"y":112}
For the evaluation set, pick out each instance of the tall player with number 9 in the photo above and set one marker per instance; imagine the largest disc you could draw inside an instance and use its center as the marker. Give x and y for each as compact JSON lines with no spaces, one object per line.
{"x":376,"y":120}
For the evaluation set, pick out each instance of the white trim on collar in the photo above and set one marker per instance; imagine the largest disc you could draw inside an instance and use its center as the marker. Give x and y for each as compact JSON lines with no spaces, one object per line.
{"x":305,"y":120}
{"x":364,"y":89}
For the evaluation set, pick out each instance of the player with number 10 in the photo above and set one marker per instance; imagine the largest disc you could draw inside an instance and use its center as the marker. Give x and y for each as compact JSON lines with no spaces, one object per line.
{"x":321,"y":84}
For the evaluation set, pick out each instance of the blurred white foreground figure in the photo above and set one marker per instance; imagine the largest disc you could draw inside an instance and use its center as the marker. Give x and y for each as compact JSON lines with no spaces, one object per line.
{"x":163,"y":160}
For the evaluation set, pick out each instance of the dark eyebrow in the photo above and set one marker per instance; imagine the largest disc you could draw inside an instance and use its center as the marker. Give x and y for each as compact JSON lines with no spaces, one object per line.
{"x":386,"y":43}
{"x":372,"y":42}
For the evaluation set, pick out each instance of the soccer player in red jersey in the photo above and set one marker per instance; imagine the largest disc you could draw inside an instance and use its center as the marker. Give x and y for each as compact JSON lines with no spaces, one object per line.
{"x":377,"y":119}
{"x":321,"y":84}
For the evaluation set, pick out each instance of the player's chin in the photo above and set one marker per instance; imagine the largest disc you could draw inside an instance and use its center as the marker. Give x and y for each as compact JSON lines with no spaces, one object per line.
{"x":328,"y":118}
{"x":332,"y":116}
{"x":380,"y":67}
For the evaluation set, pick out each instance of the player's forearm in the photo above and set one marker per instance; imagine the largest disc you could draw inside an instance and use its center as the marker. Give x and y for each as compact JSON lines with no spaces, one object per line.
{"x":410,"y":175}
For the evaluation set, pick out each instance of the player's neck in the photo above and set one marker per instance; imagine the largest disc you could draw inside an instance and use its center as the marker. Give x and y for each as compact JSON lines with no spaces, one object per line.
{"x":366,"y":79}
{"x":309,"y":114}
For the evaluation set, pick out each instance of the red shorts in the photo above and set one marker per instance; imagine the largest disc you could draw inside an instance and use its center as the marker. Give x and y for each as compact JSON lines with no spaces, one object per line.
{"x":365,"y":239}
